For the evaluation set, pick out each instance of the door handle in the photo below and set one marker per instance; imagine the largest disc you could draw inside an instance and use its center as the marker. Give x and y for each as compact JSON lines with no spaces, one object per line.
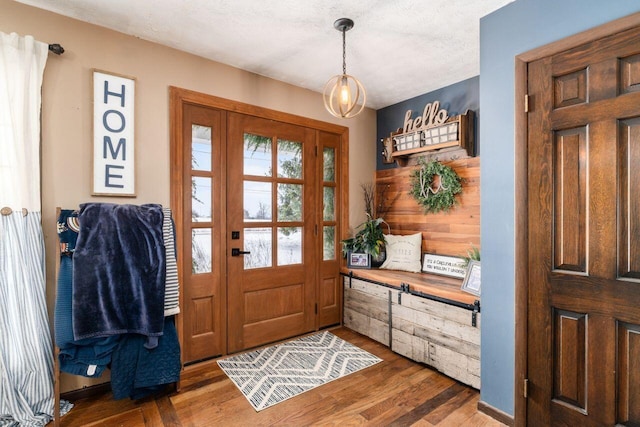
{"x":238,"y":252}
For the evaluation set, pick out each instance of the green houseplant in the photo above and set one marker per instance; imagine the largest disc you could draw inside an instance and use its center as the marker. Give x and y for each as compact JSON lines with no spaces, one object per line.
{"x":473,"y":254}
{"x":369,"y":237}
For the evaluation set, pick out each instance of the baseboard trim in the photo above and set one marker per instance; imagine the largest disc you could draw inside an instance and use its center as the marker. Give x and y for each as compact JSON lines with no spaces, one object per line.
{"x":496,"y":414}
{"x":86,"y":392}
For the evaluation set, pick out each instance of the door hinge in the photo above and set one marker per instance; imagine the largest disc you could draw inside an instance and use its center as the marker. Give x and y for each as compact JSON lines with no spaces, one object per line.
{"x":316,"y":230}
{"x":525,"y":388}
{"x":526,"y":103}
{"x":316,"y":151}
{"x":316,"y":308}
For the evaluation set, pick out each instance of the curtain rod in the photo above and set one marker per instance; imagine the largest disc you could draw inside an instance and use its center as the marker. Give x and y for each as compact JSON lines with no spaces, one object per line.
{"x":56,"y":48}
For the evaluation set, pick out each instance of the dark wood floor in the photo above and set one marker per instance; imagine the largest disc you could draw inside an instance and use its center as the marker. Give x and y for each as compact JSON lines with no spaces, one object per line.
{"x":396,"y":392}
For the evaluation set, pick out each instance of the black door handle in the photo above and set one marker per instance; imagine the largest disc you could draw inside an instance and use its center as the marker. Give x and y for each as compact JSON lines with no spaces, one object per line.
{"x":238,"y":252}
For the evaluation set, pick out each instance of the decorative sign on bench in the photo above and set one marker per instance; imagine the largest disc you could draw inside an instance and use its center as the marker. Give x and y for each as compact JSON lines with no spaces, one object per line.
{"x":445,"y":265}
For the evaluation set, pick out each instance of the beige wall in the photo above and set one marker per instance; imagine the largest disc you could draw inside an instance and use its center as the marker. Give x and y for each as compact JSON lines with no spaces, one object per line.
{"x":67,"y":113}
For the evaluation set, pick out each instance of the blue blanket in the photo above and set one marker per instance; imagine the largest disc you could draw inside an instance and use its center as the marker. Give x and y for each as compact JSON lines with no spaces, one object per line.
{"x":119,"y":271}
{"x":88,"y":357}
{"x":137,"y":372}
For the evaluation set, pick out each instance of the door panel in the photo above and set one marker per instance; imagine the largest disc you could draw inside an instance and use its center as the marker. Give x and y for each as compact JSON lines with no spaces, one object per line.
{"x":329,"y":283}
{"x":570,"y":200}
{"x":628,"y":373}
{"x":204,"y":329}
{"x":272,"y":203}
{"x":629,"y":227}
{"x":570,"y":372}
{"x":584,"y":250}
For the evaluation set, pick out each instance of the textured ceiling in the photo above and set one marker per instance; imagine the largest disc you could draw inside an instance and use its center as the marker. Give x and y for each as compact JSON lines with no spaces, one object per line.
{"x":398,"y":48}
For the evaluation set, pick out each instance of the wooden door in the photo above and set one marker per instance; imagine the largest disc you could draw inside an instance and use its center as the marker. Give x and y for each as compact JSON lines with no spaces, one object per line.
{"x":584,"y":235}
{"x":271,"y":217}
{"x":328,"y":278}
{"x":202,"y":259}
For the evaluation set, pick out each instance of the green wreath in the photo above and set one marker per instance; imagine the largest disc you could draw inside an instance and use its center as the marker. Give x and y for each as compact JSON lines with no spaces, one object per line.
{"x":441,"y":198}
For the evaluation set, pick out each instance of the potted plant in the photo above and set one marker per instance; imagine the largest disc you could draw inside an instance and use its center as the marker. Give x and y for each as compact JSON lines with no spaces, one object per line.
{"x":368,"y":238}
{"x":473,"y":254}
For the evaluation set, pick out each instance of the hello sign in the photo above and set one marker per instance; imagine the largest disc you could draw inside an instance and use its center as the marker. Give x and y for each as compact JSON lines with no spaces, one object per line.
{"x":432,"y":131}
{"x":113,"y":135}
{"x":432,"y":115}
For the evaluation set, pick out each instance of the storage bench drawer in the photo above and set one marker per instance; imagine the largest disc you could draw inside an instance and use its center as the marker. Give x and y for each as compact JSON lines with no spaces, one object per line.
{"x":440,"y":334}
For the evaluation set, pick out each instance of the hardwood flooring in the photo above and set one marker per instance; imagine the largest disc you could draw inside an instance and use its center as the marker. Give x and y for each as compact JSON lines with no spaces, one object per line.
{"x":396,"y":392}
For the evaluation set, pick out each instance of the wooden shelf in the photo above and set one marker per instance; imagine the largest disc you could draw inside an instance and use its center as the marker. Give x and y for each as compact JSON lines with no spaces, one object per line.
{"x":465,"y":140}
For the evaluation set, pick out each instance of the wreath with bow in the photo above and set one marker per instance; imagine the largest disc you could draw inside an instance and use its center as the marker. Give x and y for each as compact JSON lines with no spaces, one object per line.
{"x":438,"y":199}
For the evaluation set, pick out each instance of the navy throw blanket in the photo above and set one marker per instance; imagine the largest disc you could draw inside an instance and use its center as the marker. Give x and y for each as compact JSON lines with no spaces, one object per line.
{"x":119,"y":271}
{"x":87,"y":357}
{"x":137,"y":372}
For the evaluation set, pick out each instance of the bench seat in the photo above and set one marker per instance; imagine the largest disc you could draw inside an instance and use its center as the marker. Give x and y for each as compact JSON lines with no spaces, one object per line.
{"x":424,"y":317}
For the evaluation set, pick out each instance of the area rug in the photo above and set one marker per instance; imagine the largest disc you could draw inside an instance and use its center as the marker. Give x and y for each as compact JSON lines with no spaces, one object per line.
{"x":274,"y":374}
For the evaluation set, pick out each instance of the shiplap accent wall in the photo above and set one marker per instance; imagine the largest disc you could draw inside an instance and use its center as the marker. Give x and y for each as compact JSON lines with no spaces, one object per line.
{"x":450,"y":233}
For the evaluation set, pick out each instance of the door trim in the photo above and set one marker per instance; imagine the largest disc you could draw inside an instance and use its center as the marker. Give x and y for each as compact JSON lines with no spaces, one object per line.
{"x":177,"y":98}
{"x":521,"y":185}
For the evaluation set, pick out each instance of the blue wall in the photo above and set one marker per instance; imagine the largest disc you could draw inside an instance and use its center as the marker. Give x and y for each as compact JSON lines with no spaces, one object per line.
{"x":456,"y":99}
{"x":512,"y":30}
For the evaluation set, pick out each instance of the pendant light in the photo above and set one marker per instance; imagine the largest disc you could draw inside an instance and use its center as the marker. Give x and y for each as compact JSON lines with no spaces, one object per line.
{"x":344,"y":95}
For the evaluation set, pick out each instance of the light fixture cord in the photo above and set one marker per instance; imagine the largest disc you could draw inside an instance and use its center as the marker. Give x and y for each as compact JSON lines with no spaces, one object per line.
{"x":344,"y":51}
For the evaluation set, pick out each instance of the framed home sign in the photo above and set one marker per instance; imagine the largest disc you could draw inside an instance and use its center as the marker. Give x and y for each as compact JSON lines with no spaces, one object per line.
{"x":358,"y":260}
{"x":471,"y":281}
{"x":113,"y":135}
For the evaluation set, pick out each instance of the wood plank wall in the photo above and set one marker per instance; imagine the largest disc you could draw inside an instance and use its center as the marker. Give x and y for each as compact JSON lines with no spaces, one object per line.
{"x":450,"y":233}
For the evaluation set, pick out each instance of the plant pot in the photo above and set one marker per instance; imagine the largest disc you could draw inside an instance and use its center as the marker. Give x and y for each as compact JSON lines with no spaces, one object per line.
{"x":377,"y":261}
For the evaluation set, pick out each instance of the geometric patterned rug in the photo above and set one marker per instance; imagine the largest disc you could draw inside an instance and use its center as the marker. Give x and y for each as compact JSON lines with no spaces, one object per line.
{"x":274,"y":374}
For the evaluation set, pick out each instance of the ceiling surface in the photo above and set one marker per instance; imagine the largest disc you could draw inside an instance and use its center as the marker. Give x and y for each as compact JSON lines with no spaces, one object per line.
{"x":398,"y":49}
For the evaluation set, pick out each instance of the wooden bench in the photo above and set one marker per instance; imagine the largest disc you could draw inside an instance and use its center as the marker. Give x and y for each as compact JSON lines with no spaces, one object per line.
{"x":424,"y":317}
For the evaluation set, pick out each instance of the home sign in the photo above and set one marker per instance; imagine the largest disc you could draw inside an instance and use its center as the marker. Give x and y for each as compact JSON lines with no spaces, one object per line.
{"x":113,"y":135}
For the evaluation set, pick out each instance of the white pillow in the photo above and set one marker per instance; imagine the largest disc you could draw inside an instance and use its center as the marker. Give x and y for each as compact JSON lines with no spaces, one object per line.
{"x":403,"y":253}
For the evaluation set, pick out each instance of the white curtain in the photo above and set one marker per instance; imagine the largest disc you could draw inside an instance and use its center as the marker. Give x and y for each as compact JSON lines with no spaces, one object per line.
{"x":26,"y":361}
